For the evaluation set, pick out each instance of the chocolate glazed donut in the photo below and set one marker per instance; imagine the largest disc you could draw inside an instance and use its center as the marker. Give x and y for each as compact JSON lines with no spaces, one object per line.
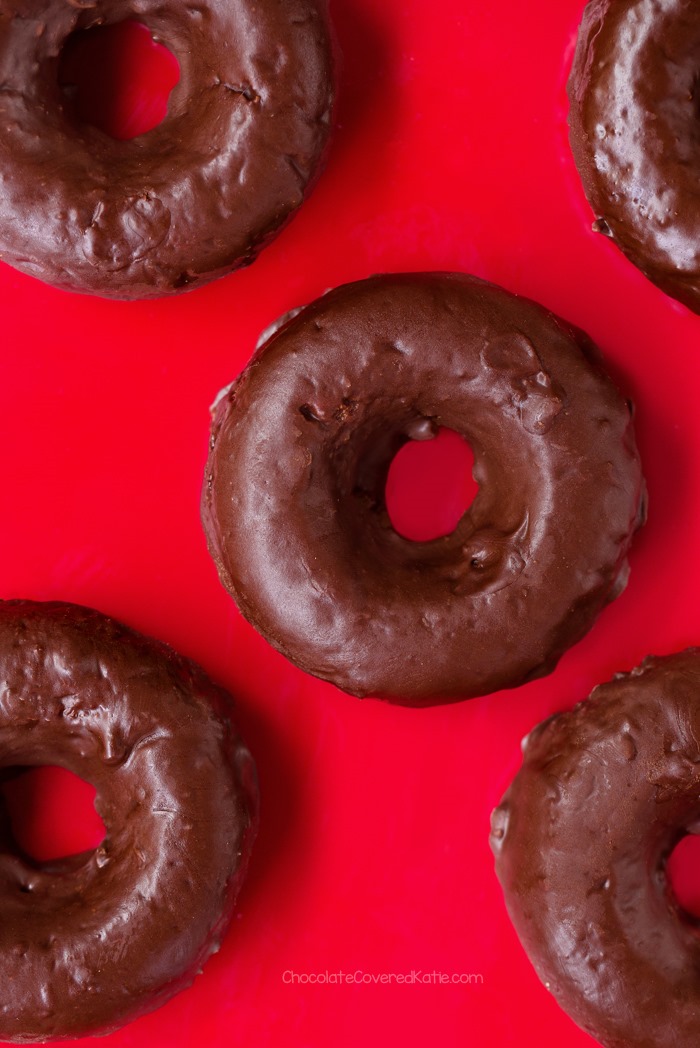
{"x":189,"y":201}
{"x":581,"y":841}
{"x":92,"y":941}
{"x":635,"y":134}
{"x":294,"y":507}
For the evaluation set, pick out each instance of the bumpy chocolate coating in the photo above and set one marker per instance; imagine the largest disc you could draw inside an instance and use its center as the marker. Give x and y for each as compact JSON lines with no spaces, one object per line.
{"x":190,"y":200}
{"x":92,"y":941}
{"x":635,"y":134}
{"x":581,"y":841}
{"x":294,"y":496}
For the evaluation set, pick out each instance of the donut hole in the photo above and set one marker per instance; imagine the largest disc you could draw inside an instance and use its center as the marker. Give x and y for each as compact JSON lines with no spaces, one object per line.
{"x":430,"y":486}
{"x":51,"y":813}
{"x":117,"y":78}
{"x":683,"y":874}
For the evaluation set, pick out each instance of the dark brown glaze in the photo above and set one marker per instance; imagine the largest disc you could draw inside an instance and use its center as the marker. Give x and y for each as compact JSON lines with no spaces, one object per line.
{"x":581,"y":841}
{"x":200,"y":194}
{"x":294,"y":509}
{"x":91,"y":942}
{"x":635,"y":134}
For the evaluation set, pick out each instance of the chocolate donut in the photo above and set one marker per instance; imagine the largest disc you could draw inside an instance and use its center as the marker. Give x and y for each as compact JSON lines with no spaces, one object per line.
{"x":634,"y":134}
{"x":190,"y":200}
{"x":90,"y":942}
{"x":294,"y":506}
{"x":581,"y":841}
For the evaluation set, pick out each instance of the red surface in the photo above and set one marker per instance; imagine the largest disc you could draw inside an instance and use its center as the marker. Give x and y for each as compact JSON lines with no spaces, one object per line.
{"x":450,"y":153}
{"x":52,"y":813}
{"x":430,"y":485}
{"x":683,"y":866}
{"x":119,"y":78}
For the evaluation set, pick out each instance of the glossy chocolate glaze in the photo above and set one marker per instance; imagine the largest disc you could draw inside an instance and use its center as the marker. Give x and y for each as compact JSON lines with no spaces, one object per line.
{"x":581,"y":841}
{"x":200,"y":194}
{"x":92,"y":941}
{"x":294,"y":509}
{"x":635,"y":134}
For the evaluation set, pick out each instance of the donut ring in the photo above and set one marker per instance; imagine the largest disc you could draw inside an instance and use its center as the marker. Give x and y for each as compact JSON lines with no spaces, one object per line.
{"x":293,"y":503}
{"x":90,"y":942}
{"x":634,"y":134}
{"x":581,"y":841}
{"x":197,"y":196}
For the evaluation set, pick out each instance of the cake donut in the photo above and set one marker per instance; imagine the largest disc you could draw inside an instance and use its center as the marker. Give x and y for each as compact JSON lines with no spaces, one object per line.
{"x":192,"y":199}
{"x":92,"y":941}
{"x":581,"y":841}
{"x":294,"y":497}
{"x":634,"y":134}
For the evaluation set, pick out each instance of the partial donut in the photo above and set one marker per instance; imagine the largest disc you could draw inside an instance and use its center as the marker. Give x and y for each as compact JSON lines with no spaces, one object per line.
{"x":635,"y":134}
{"x":194,"y":198}
{"x":294,"y":505}
{"x":581,"y":841}
{"x":89,"y":942}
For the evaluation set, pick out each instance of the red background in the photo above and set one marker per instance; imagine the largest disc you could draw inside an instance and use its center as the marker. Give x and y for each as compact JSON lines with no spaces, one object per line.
{"x":450,"y":153}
